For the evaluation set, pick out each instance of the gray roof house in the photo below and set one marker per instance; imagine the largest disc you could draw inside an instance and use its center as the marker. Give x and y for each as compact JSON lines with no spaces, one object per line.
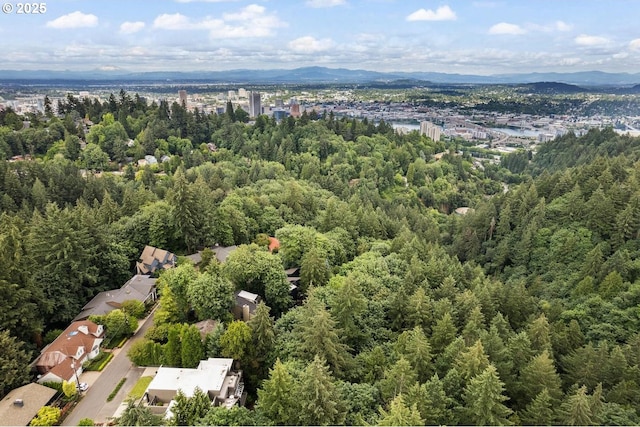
{"x":21,"y":405}
{"x":140,"y":288}
{"x":221,"y":253}
{"x":153,"y":259}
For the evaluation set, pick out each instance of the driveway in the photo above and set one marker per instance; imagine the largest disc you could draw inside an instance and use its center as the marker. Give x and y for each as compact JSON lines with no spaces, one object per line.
{"x":94,"y":404}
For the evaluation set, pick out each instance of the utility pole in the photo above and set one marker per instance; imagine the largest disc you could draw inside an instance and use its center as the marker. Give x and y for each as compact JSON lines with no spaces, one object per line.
{"x":75,"y":374}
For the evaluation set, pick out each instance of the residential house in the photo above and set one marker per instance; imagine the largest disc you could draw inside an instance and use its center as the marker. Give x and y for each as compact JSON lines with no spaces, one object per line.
{"x":140,"y":288}
{"x":214,"y":376}
{"x":205,"y":327}
{"x":63,"y":358}
{"x":246,"y":304}
{"x":221,"y":253}
{"x":153,"y":259}
{"x":21,"y":405}
{"x":293,"y":277}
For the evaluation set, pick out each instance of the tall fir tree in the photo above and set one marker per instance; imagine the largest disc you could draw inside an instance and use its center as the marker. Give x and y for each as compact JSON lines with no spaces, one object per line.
{"x":399,"y":414}
{"x":192,"y":349}
{"x":318,"y":399}
{"x":275,"y":396}
{"x":320,"y":337}
{"x":540,"y":412}
{"x":576,"y":409}
{"x":484,"y":399}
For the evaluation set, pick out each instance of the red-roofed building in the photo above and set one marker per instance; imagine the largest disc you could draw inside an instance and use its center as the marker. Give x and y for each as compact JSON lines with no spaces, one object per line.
{"x":274,"y":244}
{"x":77,"y":344}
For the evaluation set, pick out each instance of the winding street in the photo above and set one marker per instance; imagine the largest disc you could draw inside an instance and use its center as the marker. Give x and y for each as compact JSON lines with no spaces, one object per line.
{"x":94,"y":404}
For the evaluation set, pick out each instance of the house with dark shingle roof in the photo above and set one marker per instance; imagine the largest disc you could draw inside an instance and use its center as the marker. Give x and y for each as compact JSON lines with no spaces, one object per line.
{"x":63,"y":358}
{"x":21,"y":405}
{"x":153,"y":259}
{"x":140,"y":288}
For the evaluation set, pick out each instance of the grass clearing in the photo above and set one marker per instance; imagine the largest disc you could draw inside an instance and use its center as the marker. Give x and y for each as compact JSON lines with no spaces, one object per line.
{"x":138,"y":390}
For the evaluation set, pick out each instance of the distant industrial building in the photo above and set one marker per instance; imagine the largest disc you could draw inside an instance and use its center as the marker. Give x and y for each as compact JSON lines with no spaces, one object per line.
{"x":254,"y":104}
{"x":430,"y":130}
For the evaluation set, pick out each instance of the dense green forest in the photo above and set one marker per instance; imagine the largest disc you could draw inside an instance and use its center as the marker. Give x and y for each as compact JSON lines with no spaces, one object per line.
{"x":524,"y":311}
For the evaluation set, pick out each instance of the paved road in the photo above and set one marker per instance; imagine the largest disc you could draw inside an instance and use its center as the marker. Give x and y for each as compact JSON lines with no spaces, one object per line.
{"x":94,"y":405}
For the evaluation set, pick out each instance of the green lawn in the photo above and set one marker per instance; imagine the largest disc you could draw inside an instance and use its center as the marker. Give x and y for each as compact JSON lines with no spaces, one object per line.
{"x":99,"y":362}
{"x":138,"y":390}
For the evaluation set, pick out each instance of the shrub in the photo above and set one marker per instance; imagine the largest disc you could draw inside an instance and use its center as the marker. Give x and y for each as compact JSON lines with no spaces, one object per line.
{"x":116,"y":390}
{"x":47,"y":416}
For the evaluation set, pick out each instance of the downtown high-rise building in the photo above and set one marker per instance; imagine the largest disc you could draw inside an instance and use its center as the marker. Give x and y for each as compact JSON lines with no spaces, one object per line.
{"x":430,"y":130}
{"x":255,"y":108}
{"x":182,"y":97}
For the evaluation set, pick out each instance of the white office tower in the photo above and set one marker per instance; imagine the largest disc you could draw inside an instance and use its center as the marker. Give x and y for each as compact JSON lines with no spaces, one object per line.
{"x":430,"y":130}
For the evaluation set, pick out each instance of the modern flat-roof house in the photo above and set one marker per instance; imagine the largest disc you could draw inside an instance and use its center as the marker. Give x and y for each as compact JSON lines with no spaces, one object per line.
{"x":63,"y":358}
{"x":213,"y":376}
{"x":153,"y":259}
{"x":246,"y":304}
{"x":140,"y":288}
{"x":21,"y":405}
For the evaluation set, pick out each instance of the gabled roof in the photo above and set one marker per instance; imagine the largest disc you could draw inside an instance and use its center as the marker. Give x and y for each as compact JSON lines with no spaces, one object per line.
{"x":223,"y":252}
{"x":33,"y":396}
{"x":63,"y":370}
{"x":206,"y":326}
{"x":153,"y":258}
{"x":137,"y":288}
{"x":78,"y":334}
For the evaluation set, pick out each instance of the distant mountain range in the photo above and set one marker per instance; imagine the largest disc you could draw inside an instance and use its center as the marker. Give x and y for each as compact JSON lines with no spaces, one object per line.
{"x":322,"y":75}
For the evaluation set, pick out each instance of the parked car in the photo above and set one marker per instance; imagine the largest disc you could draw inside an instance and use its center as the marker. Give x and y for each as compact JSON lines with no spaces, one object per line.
{"x":83,"y":386}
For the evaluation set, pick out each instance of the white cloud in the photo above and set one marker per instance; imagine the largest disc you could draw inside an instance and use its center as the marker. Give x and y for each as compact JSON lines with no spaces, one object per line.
{"x":443,"y":13}
{"x":131,"y":27}
{"x":506,"y":28}
{"x":557,"y":26}
{"x":634,"y":44}
{"x":74,"y":20}
{"x":250,"y":12}
{"x":251,"y":21}
{"x":309,"y":44}
{"x":586,"y":40}
{"x":563,"y":26}
{"x":175,"y":21}
{"x":325,"y":3}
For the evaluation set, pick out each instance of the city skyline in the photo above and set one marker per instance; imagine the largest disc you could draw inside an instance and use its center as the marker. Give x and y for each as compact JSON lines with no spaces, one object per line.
{"x":467,"y":37}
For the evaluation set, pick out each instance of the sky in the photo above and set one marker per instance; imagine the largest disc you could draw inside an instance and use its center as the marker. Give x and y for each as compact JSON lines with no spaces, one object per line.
{"x":456,"y":36}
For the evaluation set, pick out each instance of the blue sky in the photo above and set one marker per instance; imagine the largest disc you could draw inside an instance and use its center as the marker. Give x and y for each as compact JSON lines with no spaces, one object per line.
{"x":475,"y":37}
